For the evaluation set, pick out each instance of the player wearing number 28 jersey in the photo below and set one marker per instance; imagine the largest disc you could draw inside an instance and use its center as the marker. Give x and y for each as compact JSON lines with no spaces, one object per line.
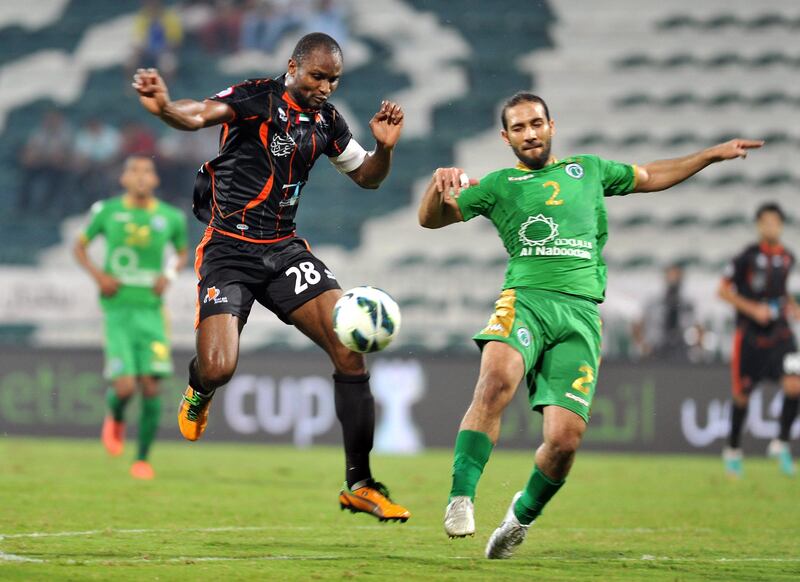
{"x":272,"y":133}
{"x":551,"y":217}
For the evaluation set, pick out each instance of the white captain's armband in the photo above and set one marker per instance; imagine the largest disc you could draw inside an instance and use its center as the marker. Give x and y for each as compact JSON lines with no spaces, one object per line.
{"x":351,"y":158}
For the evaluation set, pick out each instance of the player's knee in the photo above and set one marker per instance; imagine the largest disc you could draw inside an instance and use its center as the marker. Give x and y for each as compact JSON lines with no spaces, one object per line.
{"x":215,"y":370}
{"x":791,"y":386}
{"x":493,"y":392}
{"x":124,"y":387}
{"x":564,"y":443}
{"x":741,"y":400}
{"x":149,"y":387}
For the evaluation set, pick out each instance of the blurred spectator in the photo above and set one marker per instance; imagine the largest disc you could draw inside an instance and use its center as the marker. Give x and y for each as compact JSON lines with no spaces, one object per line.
{"x":180,"y":154}
{"x":137,"y":138}
{"x":220,"y":34}
{"x":265,"y":22}
{"x":45,"y":162}
{"x":665,"y":321}
{"x":97,"y":147}
{"x":158,"y":33}
{"x":328,"y":16}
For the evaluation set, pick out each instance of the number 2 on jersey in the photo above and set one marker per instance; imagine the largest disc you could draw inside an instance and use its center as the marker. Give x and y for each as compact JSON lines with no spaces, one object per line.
{"x":556,"y":191}
{"x":307,"y":272}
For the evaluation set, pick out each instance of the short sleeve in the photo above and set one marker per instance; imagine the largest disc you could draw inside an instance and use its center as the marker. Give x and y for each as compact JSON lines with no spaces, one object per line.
{"x":476,"y":200}
{"x":340,"y":136}
{"x":248,"y":100}
{"x":617,"y":178}
{"x":179,"y":236}
{"x":97,"y":220}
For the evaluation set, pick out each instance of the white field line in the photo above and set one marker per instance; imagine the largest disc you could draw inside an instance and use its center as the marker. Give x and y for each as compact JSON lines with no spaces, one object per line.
{"x":5,"y":557}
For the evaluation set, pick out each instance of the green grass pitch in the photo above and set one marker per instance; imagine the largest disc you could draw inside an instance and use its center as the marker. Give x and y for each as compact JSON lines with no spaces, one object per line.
{"x":244,"y":512}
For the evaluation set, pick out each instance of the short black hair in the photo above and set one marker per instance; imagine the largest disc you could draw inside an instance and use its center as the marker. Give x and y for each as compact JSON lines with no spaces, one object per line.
{"x":313,"y":41}
{"x":770,"y":207}
{"x":522,"y":97}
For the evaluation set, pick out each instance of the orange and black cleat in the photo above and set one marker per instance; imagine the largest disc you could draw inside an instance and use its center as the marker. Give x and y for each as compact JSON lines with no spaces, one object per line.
{"x":373,"y":498}
{"x":113,"y":436}
{"x":193,"y":414}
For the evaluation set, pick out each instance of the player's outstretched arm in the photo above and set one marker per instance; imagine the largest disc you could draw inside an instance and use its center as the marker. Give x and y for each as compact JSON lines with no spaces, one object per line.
{"x":386,"y":126}
{"x":438,"y":207}
{"x":664,"y":174}
{"x":185,"y":114}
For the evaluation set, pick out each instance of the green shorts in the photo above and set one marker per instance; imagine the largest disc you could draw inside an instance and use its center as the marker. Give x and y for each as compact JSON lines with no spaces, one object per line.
{"x":136,"y":342}
{"x":558,"y":336}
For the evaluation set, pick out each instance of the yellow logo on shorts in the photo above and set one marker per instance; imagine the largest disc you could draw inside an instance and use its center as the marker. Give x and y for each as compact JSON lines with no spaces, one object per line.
{"x":502,"y":320}
{"x":160,"y":350}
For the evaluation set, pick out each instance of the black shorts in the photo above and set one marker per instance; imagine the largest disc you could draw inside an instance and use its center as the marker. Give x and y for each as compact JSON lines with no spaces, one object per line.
{"x":281,"y":276}
{"x":756,"y":358}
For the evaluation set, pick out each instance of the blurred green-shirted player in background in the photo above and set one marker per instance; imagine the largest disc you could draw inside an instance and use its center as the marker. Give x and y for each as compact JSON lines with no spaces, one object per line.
{"x":551,"y":217}
{"x":137,"y":228}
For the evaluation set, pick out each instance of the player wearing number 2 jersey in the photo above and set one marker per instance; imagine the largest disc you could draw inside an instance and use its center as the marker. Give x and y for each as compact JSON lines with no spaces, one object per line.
{"x":551,"y":217}
{"x":273,"y":131}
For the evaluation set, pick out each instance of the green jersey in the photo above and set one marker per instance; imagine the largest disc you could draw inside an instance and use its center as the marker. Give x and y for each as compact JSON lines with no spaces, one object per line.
{"x":135,"y":242}
{"x":552,"y":221}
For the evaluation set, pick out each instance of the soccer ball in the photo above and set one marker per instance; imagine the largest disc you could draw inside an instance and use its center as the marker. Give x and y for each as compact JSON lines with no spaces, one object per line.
{"x":366,"y":319}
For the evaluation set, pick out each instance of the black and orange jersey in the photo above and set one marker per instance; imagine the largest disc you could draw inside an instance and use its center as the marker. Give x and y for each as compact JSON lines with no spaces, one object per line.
{"x":760,"y":273}
{"x":252,"y":188}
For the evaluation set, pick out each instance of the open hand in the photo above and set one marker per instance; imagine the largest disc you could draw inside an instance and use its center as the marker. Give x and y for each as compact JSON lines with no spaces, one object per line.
{"x":387,"y":123}
{"x":152,"y":89}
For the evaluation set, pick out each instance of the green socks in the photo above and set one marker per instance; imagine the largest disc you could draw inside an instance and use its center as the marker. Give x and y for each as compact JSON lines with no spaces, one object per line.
{"x":538,"y":492}
{"x":148,"y":425}
{"x":470,"y":456}
{"x":116,"y":405}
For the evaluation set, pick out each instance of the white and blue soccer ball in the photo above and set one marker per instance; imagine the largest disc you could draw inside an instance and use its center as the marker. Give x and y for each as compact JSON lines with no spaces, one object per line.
{"x":366,"y":319}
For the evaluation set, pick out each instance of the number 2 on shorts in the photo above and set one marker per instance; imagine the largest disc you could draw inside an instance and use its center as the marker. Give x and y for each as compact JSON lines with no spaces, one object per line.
{"x":581,"y":384}
{"x":307,"y":272}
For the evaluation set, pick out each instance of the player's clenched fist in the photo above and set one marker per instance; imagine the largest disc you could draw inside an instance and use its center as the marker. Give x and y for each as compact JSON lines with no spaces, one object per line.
{"x":152,"y":89}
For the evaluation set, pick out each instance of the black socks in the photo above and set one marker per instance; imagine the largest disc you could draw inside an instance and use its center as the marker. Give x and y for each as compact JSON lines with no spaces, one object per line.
{"x":355,"y":409}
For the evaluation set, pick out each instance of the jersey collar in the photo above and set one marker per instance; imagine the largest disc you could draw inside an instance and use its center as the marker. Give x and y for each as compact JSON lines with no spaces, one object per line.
{"x":769,"y":249}
{"x":127,"y":202}
{"x":524,"y":168}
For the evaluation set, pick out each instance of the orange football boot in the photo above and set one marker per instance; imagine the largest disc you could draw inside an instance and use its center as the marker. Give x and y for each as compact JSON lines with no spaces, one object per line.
{"x":142,"y":470}
{"x":372,"y":498}
{"x":193,"y":414}
{"x":113,"y":436}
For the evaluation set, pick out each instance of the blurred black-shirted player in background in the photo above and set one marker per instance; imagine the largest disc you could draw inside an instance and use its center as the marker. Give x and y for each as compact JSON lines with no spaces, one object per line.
{"x":273,"y":130}
{"x":764,"y":346}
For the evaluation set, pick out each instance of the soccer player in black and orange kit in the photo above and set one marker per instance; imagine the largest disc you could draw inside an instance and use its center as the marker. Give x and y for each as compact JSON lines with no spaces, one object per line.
{"x":273,"y":130}
{"x":764,"y":346}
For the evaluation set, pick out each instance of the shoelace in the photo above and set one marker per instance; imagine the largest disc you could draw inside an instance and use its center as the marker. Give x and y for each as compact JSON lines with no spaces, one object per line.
{"x":195,"y":403}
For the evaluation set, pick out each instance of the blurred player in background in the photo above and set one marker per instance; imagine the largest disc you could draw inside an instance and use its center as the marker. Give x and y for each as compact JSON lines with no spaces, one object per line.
{"x":552,"y":219}
{"x":273,"y":131}
{"x":764,"y":347}
{"x":137,"y":228}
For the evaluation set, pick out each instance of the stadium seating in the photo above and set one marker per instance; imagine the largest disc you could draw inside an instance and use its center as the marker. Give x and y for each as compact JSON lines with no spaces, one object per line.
{"x":683,"y":76}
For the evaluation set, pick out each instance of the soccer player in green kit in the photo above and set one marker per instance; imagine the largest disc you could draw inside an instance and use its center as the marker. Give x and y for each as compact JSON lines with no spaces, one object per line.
{"x":137,"y":228}
{"x":551,"y":217}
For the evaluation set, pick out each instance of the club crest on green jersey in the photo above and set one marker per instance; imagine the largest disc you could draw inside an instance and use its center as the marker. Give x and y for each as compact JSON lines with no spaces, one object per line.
{"x":538,"y":230}
{"x":574,"y":171}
